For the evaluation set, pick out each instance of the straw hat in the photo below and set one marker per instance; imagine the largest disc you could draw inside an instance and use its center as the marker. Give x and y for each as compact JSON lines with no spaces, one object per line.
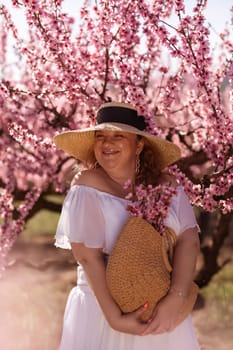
{"x":115,"y":116}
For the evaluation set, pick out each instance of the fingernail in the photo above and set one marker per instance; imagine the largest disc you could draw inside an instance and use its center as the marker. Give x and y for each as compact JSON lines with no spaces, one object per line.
{"x":145,"y":305}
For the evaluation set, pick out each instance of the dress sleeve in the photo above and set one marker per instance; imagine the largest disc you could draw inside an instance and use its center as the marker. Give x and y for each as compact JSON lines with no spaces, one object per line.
{"x":185,"y":213}
{"x":81,"y":219}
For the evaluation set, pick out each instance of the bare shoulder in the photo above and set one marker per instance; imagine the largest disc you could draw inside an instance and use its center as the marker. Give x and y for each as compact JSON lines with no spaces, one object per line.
{"x":168,"y":178}
{"x":90,"y":178}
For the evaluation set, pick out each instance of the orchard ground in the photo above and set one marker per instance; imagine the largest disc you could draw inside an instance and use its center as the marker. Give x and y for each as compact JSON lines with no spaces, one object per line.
{"x":34,"y":289}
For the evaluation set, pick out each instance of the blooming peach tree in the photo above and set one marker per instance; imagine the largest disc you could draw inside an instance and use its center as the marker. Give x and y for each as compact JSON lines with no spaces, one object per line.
{"x":152,"y":54}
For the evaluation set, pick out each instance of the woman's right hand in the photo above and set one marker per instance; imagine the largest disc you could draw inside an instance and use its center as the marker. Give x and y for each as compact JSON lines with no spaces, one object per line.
{"x":130,"y":323}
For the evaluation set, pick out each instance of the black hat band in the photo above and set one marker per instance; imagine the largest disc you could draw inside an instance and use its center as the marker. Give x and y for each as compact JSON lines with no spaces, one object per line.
{"x":121,"y":115}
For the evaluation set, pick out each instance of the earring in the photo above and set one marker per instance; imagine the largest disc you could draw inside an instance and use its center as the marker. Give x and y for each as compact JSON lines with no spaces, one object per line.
{"x":96,"y":165}
{"x":137,"y":166}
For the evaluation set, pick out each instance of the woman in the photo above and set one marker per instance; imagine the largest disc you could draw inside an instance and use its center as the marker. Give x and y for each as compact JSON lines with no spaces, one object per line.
{"x":115,"y":150}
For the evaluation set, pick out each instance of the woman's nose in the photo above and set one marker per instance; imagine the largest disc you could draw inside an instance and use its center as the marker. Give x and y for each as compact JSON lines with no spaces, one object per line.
{"x":107,"y":139}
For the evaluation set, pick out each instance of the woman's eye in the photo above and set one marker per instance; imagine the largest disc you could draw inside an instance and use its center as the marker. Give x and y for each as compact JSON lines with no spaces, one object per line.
{"x":99,"y":136}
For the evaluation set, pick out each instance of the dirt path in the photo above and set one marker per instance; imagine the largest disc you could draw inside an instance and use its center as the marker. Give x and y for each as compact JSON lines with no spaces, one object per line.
{"x":33,"y":293}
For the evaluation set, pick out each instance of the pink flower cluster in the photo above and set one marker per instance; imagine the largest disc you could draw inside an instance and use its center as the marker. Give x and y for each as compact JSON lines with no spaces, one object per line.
{"x":13,"y":220}
{"x":208,"y":197}
{"x":30,"y":141}
{"x":151,"y":203}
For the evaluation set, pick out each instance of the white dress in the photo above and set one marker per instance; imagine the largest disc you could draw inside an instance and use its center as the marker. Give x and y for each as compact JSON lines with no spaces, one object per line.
{"x":95,"y":219}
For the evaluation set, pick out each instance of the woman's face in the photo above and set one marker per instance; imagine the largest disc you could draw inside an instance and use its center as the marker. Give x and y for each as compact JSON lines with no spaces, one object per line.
{"x":117,"y":151}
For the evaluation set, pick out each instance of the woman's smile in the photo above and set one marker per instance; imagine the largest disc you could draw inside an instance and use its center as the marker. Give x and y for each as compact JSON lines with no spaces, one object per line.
{"x":110,"y":152}
{"x":114,"y":149}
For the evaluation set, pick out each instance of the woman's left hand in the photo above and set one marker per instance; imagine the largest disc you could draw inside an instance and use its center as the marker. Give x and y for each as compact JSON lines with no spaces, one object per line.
{"x":165,"y":315}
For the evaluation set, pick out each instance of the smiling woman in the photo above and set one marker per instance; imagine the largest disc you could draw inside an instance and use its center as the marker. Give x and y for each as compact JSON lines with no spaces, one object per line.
{"x":119,"y":150}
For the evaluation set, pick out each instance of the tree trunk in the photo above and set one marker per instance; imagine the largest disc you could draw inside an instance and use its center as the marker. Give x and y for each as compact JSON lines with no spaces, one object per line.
{"x":212,"y":242}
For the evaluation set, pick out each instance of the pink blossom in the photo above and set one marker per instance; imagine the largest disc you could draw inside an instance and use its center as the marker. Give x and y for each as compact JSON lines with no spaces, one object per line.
{"x":151,"y":203}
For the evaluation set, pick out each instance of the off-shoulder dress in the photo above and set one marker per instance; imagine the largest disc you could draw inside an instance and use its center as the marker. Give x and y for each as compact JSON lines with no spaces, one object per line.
{"x":95,"y":218}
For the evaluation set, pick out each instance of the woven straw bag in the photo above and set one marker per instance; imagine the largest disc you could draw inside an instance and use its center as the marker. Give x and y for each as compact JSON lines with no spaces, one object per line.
{"x":139,"y":271}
